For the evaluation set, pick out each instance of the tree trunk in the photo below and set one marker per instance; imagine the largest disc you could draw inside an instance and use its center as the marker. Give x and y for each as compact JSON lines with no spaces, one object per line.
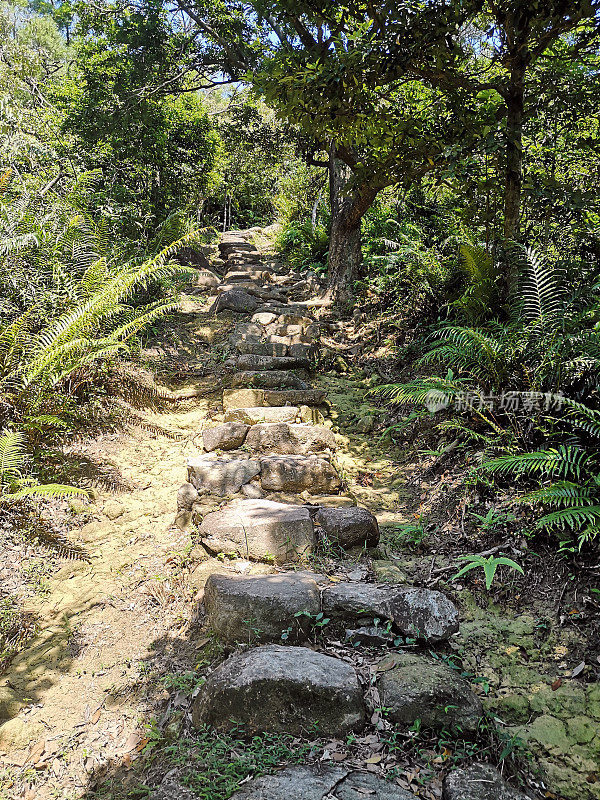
{"x":348,"y":206}
{"x":514,"y":153}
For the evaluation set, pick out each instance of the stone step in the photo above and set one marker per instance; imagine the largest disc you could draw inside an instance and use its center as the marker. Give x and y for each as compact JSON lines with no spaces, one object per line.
{"x":347,"y":527}
{"x":242,"y":608}
{"x":259,"y":530}
{"x":235,"y":300}
{"x":293,"y":439}
{"x":273,"y":379}
{"x":324,"y":782}
{"x":255,"y":415}
{"x":227,"y":474}
{"x":252,"y":398}
{"x":289,"y":473}
{"x":415,"y":687}
{"x":422,"y":614}
{"x":282,"y":689}
{"x":253,"y":363}
{"x":229,"y":436}
{"x":275,"y":600}
{"x":221,"y":475}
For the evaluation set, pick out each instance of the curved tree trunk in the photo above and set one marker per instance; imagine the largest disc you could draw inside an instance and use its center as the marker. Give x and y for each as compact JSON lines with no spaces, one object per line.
{"x":349,"y":203}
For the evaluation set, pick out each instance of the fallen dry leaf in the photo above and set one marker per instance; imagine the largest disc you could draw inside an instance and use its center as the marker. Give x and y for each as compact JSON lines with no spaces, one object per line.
{"x":557,"y":684}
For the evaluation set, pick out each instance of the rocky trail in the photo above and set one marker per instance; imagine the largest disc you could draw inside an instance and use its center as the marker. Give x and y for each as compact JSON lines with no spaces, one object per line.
{"x":181,"y":569}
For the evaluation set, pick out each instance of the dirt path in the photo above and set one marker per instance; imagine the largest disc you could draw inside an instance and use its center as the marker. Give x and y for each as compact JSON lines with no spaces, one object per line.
{"x":115,"y":629}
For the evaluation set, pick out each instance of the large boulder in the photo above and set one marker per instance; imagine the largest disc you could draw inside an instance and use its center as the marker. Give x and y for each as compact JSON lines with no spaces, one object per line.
{"x":298,"y":474}
{"x":322,"y":782}
{"x":275,"y":379}
{"x":415,"y":687}
{"x":260,"y":607}
{"x":478,"y":782}
{"x":290,"y":439}
{"x":348,"y":526}
{"x":221,"y":476}
{"x":256,"y":416}
{"x":236,"y":300}
{"x":259,"y":530}
{"x":417,"y":613}
{"x":229,"y":436}
{"x":282,"y":689}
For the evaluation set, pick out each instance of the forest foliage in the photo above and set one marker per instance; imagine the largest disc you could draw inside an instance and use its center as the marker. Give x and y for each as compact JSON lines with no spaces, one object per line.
{"x":438,"y":162}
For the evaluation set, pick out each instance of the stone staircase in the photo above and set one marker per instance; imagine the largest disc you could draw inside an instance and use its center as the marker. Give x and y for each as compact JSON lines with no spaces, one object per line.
{"x":266,"y":489}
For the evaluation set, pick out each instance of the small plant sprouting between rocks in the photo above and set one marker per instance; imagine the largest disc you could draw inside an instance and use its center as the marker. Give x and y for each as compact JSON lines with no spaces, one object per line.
{"x":489,"y":565}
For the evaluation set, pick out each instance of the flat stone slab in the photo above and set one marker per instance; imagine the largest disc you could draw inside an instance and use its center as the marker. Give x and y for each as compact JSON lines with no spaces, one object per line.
{"x":298,"y":474}
{"x":274,"y":379}
{"x":221,"y":475}
{"x":414,"y":687}
{"x":348,"y":527}
{"x":258,"y":414}
{"x":229,"y":436}
{"x":290,"y":439}
{"x":260,"y":607}
{"x":252,"y":362}
{"x":321,"y":783}
{"x":478,"y":782}
{"x":282,"y":689}
{"x":307,"y":397}
{"x":422,"y":614}
{"x":259,"y":530}
{"x":253,"y":398}
{"x":247,"y":347}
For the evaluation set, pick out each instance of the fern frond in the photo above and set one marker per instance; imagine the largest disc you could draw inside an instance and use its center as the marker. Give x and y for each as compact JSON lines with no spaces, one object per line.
{"x":561,"y":461}
{"x":12,"y":453}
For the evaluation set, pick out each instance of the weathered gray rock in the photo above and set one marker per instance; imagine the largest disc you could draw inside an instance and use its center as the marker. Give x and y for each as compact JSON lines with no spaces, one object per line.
{"x":418,"y":613}
{"x":423,"y":614}
{"x":186,"y":497}
{"x":320,"y":783}
{"x":260,"y":414}
{"x":349,"y":526}
{"x":286,"y":438}
{"x":252,"y":490}
{"x":264,"y":318}
{"x":289,"y":689}
{"x":243,"y":398}
{"x":349,"y":601}
{"x":236,"y":300}
{"x":298,"y":474}
{"x":253,"y":363}
{"x":207,"y":279}
{"x":229,"y":436}
{"x":308,"y":397}
{"x":259,"y":530}
{"x":171,"y":789}
{"x":478,"y":782}
{"x":275,"y":379}
{"x":249,"y":273}
{"x":311,"y":416}
{"x":221,"y":476}
{"x":261,"y":348}
{"x":414,"y":687}
{"x":260,"y":607}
